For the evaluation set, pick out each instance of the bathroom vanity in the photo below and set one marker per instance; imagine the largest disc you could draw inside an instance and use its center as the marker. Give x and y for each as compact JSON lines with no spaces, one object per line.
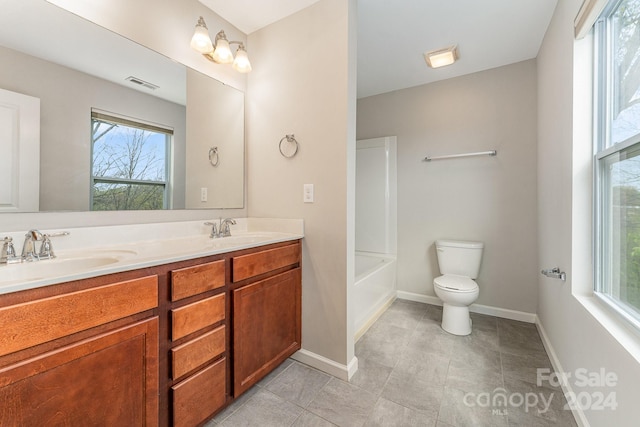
{"x":157,"y":344}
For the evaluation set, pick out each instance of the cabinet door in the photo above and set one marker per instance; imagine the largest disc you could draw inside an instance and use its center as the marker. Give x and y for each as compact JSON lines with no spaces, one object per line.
{"x":266,"y":326}
{"x":110,"y":379}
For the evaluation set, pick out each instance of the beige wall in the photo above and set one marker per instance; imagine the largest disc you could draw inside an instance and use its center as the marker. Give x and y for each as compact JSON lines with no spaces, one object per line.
{"x":215,"y":118}
{"x":582,"y":333}
{"x":302,"y":84}
{"x":489,"y":199}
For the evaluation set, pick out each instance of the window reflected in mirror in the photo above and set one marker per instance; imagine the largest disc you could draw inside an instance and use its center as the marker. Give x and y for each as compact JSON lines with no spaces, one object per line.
{"x":130,"y":164}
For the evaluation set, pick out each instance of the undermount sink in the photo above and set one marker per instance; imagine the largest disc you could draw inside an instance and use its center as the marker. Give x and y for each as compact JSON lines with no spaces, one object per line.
{"x":78,"y":263}
{"x":238,"y":240}
{"x":39,"y":270}
{"x":113,"y":253}
{"x":204,"y":243}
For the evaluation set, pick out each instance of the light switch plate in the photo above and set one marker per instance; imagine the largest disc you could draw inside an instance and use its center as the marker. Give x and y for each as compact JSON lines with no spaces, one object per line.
{"x":308,"y":193}
{"x":203,"y":194}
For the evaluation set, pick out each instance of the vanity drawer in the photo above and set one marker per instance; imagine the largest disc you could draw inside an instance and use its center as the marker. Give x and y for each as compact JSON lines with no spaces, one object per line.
{"x":36,"y":322}
{"x":250,"y":265}
{"x":193,"y":317}
{"x":195,"y":280}
{"x":200,"y":395}
{"x":197,"y":352}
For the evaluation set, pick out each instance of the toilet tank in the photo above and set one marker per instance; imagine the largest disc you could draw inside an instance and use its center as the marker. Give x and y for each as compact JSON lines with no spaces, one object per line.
{"x":459,"y":257}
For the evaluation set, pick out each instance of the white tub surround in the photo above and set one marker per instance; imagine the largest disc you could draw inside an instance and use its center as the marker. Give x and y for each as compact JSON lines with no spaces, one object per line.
{"x":93,"y":251}
{"x":376,"y":228}
{"x":375,"y":288}
{"x":376,"y":195}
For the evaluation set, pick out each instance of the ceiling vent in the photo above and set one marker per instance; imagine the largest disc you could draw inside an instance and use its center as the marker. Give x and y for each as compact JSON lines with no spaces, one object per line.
{"x":142,"y":83}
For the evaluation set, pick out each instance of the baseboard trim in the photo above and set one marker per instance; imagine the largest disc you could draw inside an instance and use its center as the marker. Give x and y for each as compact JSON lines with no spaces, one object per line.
{"x":578,"y":413}
{"x":505,"y":313}
{"x":343,"y":372}
{"x":426,"y":299}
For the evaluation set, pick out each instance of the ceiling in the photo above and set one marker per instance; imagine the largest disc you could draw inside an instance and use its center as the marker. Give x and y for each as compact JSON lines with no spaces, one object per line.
{"x":393,"y":35}
{"x":263,"y":12}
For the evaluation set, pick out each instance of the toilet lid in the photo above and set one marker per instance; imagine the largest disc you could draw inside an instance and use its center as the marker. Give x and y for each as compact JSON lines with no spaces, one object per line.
{"x":455,"y":283}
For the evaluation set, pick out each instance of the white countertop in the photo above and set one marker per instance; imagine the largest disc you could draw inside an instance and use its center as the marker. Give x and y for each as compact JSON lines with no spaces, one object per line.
{"x":95,"y":251}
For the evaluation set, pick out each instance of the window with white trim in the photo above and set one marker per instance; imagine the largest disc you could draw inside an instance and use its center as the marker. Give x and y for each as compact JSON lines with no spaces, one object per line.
{"x":617,"y":157}
{"x":129,"y":165}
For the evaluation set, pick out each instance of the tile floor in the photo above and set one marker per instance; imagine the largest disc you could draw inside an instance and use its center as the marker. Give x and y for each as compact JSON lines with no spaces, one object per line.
{"x":412,"y":373}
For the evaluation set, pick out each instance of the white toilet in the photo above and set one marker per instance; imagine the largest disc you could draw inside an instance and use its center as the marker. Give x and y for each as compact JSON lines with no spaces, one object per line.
{"x":459,"y":264}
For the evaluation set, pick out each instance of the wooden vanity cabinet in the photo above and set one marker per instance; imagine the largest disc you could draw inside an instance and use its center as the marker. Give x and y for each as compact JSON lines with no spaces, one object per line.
{"x":197,"y":345}
{"x":81,"y":353}
{"x":166,"y":345}
{"x":232,"y":320}
{"x":267,"y":303}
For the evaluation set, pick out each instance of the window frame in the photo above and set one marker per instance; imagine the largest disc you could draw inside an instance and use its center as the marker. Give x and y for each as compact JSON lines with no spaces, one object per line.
{"x":109,"y":117}
{"x":603,"y":150}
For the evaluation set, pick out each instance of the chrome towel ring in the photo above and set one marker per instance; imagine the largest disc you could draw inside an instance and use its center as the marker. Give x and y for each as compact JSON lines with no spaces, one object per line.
{"x":290,"y":148}
{"x":214,"y":157}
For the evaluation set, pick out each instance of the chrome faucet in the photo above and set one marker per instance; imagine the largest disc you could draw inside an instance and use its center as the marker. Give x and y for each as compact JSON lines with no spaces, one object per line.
{"x":225,"y":231}
{"x":8,"y":254}
{"x":46,"y":248}
{"x":222,"y":229}
{"x":214,"y":229}
{"x":29,"y":246}
{"x":29,"y":252}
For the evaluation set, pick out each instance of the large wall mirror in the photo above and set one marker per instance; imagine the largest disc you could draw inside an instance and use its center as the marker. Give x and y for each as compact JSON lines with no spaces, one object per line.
{"x":92,"y":85}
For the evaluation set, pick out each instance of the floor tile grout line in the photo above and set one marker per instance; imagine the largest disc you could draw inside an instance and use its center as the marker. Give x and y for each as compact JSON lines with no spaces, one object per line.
{"x":317,"y":393}
{"x":443,"y":392}
{"x":297,"y":418}
{"x":249,"y":399}
{"x":306,"y":411}
{"x":304,"y":408}
{"x":502,"y":373}
{"x":252,"y":397}
{"x":371,"y":414}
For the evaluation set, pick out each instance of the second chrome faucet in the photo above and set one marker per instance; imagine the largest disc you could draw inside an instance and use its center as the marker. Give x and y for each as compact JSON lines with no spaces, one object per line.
{"x":222,"y":229}
{"x":29,"y":252}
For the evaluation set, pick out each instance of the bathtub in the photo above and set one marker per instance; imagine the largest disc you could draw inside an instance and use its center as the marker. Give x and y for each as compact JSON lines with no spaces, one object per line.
{"x":374,"y":288}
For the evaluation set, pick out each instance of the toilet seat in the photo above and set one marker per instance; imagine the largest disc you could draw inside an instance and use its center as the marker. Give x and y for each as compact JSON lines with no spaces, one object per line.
{"x":453,"y":283}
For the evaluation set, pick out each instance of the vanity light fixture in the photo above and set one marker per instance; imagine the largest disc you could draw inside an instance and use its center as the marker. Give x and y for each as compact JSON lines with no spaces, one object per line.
{"x":441,"y":57}
{"x":219,"y":51}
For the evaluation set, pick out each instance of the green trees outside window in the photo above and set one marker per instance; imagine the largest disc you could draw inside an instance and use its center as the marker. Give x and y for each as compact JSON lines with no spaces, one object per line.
{"x":130,"y":167}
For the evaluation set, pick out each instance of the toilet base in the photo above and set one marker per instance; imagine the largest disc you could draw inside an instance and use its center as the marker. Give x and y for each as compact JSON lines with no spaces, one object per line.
{"x":456,"y":319}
